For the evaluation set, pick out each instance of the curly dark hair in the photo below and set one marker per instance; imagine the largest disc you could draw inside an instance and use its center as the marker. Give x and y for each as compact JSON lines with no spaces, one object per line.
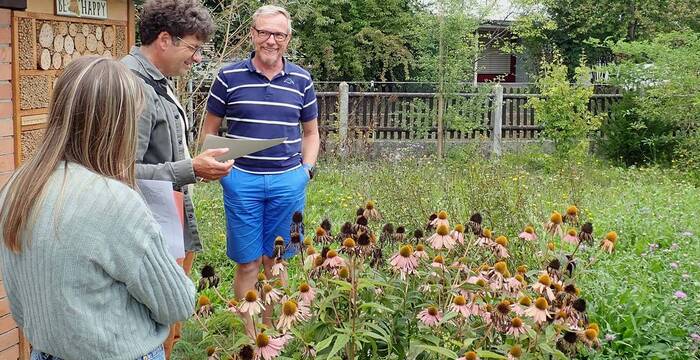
{"x":176,"y":17}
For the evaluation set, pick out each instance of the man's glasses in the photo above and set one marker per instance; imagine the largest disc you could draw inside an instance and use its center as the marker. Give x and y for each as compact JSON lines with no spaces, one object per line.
{"x":264,"y":35}
{"x":197,"y":50}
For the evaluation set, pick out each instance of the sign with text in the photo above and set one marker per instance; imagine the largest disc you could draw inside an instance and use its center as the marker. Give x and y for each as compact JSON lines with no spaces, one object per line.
{"x":94,"y":9}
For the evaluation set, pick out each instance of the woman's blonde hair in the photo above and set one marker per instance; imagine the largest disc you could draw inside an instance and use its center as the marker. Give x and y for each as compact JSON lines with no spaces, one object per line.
{"x":92,"y":122}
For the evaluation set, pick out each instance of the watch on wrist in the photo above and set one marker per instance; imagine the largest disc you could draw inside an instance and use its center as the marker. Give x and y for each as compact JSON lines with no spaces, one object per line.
{"x":311,"y":169}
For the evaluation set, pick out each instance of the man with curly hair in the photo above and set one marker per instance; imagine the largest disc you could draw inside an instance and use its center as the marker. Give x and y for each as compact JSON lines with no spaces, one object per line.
{"x":172,"y":33}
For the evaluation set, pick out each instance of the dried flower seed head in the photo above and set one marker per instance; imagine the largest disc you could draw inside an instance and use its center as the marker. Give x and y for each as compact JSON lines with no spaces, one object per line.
{"x":570,"y":337}
{"x":579,"y":304}
{"x":570,"y":289}
{"x":369,"y":205}
{"x":267,"y":288}
{"x":297,"y":217}
{"x":541,"y":303}
{"x":502,"y":240}
{"x":516,"y":322}
{"x":545,"y":280}
{"x":501,"y":267}
{"x":442,"y":215}
{"x":295,"y":239}
{"x":211,"y":350}
{"x":522,"y":269}
{"x":251,"y":296}
{"x":262,"y":340}
{"x":304,"y":288}
{"x":400,"y":230}
{"x":572,"y":210}
{"x":324,"y":251}
{"x":475,"y":218}
{"x":344,"y":272}
{"x":208,"y":271}
{"x":438,"y":259}
{"x":406,"y":251}
{"x":443,"y":230}
{"x":360,"y":211}
{"x":363,"y":240}
{"x":554,"y":264}
{"x":388,"y":228}
{"x":346,"y":228}
{"x":459,"y":300}
{"x":594,"y":326}
{"x":587,"y":228}
{"x":529,"y":229}
{"x":612,"y":236}
{"x":349,"y":243}
{"x":470,"y":355}
{"x":246,"y":353}
{"x":562,"y":314}
{"x":432,"y":311}
{"x":525,"y":301}
{"x":555,"y":218}
{"x":503,"y":307}
{"x":550,"y":246}
{"x":308,"y":241}
{"x":310,"y":250}
{"x":320,"y":231}
{"x":459,"y":228}
{"x":318,"y":261}
{"x":289,"y":308}
{"x":486,"y":232}
{"x":279,"y":241}
{"x":326,"y":225}
{"x":571,"y":232}
{"x":557,"y":288}
{"x":261,"y":277}
{"x":516,"y":351}
{"x":418,"y":234}
{"x":361,"y":220}
{"x":331,"y":254}
{"x":203,"y":301}
{"x":591,"y":334}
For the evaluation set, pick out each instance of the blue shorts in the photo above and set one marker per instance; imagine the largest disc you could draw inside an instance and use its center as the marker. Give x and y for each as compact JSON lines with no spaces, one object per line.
{"x":258,"y":209}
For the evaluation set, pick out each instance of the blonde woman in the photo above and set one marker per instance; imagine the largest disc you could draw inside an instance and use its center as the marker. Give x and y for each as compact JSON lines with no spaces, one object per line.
{"x":85,"y":266}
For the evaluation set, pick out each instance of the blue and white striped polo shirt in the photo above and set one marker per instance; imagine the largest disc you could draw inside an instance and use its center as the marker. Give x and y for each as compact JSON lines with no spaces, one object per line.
{"x":258,"y":108}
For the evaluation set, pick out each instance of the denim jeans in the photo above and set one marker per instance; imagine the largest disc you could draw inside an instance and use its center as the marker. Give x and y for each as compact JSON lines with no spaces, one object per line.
{"x":157,"y":354}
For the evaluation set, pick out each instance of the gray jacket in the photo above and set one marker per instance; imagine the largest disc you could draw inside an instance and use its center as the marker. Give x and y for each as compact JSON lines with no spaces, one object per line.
{"x":160,"y":151}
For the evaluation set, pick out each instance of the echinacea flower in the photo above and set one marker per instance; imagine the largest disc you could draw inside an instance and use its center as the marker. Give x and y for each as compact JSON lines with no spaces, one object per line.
{"x":517,"y":327}
{"x":297,"y":225}
{"x":333,"y":261}
{"x":571,"y":236}
{"x":279,"y":267}
{"x":232,"y":306}
{"x":458,"y":234}
{"x":280,"y":247}
{"x":499,"y":247}
{"x":306,"y":294}
{"x":538,"y":311}
{"x":608,"y":243}
{"x":269,"y":348}
{"x":400,"y":234}
{"x":371,"y":212}
{"x":459,"y":305}
{"x":469,"y":355}
{"x":430,"y":316}
{"x":404,"y":261}
{"x":208,"y":279}
{"x":250,"y":304}
{"x":271,"y":295}
{"x":484,"y":238}
{"x":474,"y":224}
{"x":528,"y":233}
{"x":439,"y":263}
{"x":292,"y":313}
{"x":322,"y":236}
{"x":203,"y":305}
{"x":553,"y":227}
{"x":441,"y":238}
{"x":590,"y":337}
{"x":441,"y":219}
{"x":571,"y":216}
{"x":515,"y":352}
{"x":586,"y":234}
{"x":522,"y":304}
{"x":420,"y":252}
{"x":542,"y":286}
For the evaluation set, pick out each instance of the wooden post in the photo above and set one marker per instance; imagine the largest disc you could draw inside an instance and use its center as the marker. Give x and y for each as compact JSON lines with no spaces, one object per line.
{"x":440,"y":126}
{"x":343,"y":113}
{"x":25,"y":350}
{"x":497,"y":120}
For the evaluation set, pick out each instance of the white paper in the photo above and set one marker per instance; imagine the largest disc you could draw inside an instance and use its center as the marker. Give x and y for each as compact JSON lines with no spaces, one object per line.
{"x":237,"y":147}
{"x":159,"y":198}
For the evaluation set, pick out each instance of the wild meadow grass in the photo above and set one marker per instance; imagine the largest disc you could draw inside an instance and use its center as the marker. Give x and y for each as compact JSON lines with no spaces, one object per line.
{"x":644,"y":295}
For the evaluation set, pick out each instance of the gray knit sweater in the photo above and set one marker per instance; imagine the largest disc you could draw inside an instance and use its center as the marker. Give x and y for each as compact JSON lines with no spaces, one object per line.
{"x":94,"y":279}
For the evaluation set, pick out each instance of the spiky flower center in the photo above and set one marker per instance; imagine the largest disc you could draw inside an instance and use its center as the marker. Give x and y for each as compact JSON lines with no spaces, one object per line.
{"x":262,"y":340}
{"x":251,"y":296}
{"x":481,"y":282}
{"x":279,"y":241}
{"x":572,"y":210}
{"x":594,"y":326}
{"x":442,"y":215}
{"x":516,"y":351}
{"x":541,"y":303}
{"x":519,"y":277}
{"x":331,"y":254}
{"x":557,"y":288}
{"x":267,"y":288}
{"x":489,"y":307}
{"x":555,"y":218}
{"x":529,"y":230}
{"x":486,"y":233}
{"x":545,"y":280}
{"x":211,"y":350}
{"x":525,"y":301}
{"x":320,"y":231}
{"x":432,"y":311}
{"x":310,"y":250}
{"x":571,"y":232}
{"x":289,"y":308}
{"x":459,"y":228}
{"x":203,"y":301}
{"x":261,"y":277}
{"x":561,"y":314}
{"x":307,"y":242}
{"x":459,"y":300}
{"x":344,"y":272}
{"x":503,"y":307}
{"x":232,"y":303}
{"x":550,"y":246}
{"x":612,"y":236}
{"x":501,"y":267}
{"x":591,"y":334}
{"x":406,"y":251}
{"x":470,"y":355}
{"x":570,"y":289}
{"x":363,"y":240}
{"x":420,"y":247}
{"x":369,"y":205}
{"x":443,"y":230}
{"x":304,"y":288}
{"x":349,"y":243}
{"x":502,"y":240}
{"x":438,"y":259}
{"x":516,"y":322}
{"x":522,"y":269}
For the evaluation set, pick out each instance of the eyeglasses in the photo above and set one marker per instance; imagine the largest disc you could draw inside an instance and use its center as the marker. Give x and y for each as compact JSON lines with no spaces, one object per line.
{"x":197,"y":50}
{"x":264,"y":35}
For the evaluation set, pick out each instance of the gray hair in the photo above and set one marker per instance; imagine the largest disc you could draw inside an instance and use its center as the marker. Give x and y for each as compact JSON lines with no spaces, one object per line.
{"x":272,"y":10}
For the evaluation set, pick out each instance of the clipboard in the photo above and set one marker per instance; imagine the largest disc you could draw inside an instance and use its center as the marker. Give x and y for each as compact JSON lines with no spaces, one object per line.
{"x":237,"y":147}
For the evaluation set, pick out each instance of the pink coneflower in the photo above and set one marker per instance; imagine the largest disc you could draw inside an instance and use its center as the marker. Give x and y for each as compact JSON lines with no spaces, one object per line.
{"x":441,"y":219}
{"x":499,"y":247}
{"x":486,"y":314}
{"x":438,"y":262}
{"x":269,"y":348}
{"x":538,"y":311}
{"x":251,"y":304}
{"x":322,"y":236}
{"x":553,"y":227}
{"x":515,"y":352}
{"x":204,"y":306}
{"x":542,"y":287}
{"x":311,"y":256}
{"x":514,"y":284}
{"x":571,"y":216}
{"x":232,"y":306}
{"x":404,"y":261}
{"x":333,"y":261}
{"x":430,"y":316}
{"x":590,"y":337}
{"x":272,"y":295}
{"x":680,"y":295}
{"x":523,"y":304}
{"x":306,"y":294}
{"x":485,"y":238}
{"x":420,"y":252}
{"x":292,"y":313}
{"x":571,"y":236}
{"x":517,"y":327}
{"x":279,"y":267}
{"x":441,"y":238}
{"x":459,"y":305}
{"x":528,"y":234}
{"x":469,"y":355}
{"x":608,"y":243}
{"x":371,"y":212}
{"x":458,"y":234}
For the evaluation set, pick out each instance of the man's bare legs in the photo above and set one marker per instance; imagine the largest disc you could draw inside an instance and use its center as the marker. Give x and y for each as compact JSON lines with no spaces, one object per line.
{"x":268,"y":262}
{"x":246,"y":277}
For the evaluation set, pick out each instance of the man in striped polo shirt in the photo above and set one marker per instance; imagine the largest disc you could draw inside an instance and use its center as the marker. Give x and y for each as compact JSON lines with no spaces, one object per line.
{"x":264,"y":97}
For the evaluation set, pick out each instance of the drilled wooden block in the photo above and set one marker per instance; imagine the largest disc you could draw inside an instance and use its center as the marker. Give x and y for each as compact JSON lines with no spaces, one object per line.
{"x":34,"y":91}
{"x":30,"y":142}
{"x":26,"y":43}
{"x":120,"y":42}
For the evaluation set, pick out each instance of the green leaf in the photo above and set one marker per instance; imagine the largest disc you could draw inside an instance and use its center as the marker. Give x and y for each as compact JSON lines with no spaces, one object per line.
{"x":489,"y":355}
{"x":439,"y":350}
{"x":340,"y":341}
{"x":324,"y":343}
